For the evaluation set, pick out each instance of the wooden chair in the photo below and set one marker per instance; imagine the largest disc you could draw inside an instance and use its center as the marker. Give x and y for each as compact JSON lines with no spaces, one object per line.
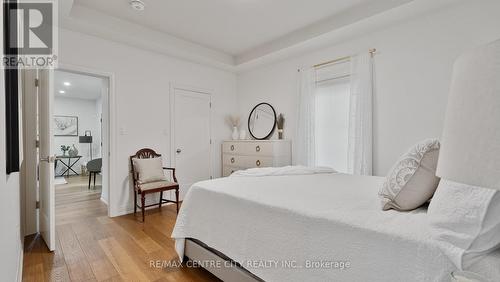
{"x":154,"y":187}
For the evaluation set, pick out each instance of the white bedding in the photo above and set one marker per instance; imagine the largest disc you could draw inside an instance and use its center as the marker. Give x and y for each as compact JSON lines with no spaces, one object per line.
{"x":280,"y":171}
{"x":314,"y":218}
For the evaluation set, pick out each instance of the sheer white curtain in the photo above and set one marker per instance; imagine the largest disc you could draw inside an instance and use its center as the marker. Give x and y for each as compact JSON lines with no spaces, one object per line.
{"x":303,"y":147}
{"x":359,"y":155}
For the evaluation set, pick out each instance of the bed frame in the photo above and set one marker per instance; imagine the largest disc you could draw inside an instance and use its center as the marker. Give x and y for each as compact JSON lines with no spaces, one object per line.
{"x":197,"y":251}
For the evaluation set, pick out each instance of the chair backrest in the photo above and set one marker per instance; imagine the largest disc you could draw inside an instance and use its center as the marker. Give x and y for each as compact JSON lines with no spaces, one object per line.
{"x":145,"y":153}
{"x":94,"y":165}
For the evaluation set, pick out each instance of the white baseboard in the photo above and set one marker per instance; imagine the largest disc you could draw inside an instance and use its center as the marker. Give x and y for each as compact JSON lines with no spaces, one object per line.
{"x":104,"y":201}
{"x":123,"y":210}
{"x":20,"y":265}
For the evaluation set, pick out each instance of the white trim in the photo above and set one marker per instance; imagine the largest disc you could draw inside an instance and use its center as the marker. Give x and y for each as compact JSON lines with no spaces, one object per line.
{"x":129,"y":209}
{"x":203,"y":91}
{"x":123,"y":210}
{"x":20,"y":265}
{"x":105,"y":202}
{"x":112,"y":131}
{"x":191,"y":88}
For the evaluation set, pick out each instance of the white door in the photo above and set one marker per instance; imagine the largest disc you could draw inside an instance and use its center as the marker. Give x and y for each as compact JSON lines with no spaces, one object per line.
{"x":191,"y":134}
{"x":30,"y":153}
{"x":46,"y":164}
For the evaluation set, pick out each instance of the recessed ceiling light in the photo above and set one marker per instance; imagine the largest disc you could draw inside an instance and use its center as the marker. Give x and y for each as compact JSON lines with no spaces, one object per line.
{"x":137,"y":5}
{"x":62,"y":91}
{"x":67,"y":83}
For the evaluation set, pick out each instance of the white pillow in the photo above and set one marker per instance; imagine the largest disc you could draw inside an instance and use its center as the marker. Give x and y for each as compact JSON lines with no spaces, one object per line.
{"x":412,"y":181}
{"x":465,"y":220}
{"x":149,"y":170}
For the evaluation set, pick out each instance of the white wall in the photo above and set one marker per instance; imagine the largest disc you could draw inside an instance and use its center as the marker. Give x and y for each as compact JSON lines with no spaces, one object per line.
{"x":413,"y":70}
{"x":10,"y":237}
{"x":142,"y":99}
{"x":10,"y":223}
{"x":88,"y":119}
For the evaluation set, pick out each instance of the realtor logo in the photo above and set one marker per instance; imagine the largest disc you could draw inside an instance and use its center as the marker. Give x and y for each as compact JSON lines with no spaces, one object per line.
{"x":31,"y":34}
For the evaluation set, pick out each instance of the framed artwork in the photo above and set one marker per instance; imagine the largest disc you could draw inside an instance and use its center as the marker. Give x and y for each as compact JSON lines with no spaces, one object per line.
{"x":65,"y":126}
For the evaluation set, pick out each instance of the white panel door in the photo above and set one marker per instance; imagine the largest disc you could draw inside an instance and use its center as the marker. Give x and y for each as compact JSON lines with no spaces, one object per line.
{"x":191,"y":137}
{"x":30,"y":156}
{"x":46,"y":165}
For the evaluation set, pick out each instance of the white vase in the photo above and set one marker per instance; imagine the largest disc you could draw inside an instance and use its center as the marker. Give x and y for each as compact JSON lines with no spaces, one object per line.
{"x":235,"y":134}
{"x":243,"y":134}
{"x":73,"y":152}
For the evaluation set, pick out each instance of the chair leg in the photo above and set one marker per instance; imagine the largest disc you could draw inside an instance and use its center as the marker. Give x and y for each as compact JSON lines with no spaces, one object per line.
{"x":135,"y":202}
{"x":161,"y":199}
{"x":90,"y":178}
{"x":177,"y":199}
{"x":143,"y":202}
{"x":95,"y":173}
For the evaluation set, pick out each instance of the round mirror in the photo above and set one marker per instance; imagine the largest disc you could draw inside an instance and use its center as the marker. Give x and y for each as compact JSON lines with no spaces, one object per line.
{"x":262,"y":121}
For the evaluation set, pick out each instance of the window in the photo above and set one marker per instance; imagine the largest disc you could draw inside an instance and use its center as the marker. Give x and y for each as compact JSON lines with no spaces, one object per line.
{"x":332,"y":118}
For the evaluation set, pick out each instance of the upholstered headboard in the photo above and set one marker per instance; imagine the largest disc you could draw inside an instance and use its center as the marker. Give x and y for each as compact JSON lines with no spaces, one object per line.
{"x":470,"y":145}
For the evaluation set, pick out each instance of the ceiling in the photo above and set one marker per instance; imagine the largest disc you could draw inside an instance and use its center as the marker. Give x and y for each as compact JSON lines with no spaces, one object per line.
{"x":230,"y":26}
{"x":81,"y":86}
{"x":236,"y":35}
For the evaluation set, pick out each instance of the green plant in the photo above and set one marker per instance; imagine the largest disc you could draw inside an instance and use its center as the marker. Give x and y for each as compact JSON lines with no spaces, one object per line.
{"x":64,"y":148}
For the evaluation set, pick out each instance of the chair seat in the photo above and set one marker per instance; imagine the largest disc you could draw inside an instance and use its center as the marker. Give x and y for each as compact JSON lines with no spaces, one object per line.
{"x":156,"y":185}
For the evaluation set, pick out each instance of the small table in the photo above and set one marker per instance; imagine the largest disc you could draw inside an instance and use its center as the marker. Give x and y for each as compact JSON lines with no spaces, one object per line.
{"x":71,"y":161}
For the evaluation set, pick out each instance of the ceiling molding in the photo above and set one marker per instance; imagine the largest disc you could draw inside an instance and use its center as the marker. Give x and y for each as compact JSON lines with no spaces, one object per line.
{"x":82,"y":19}
{"x":333,"y":30}
{"x":333,"y":22}
{"x":64,"y":8}
{"x":362,"y":27}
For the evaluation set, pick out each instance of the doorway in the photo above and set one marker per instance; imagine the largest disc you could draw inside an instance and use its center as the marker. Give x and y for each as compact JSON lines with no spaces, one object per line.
{"x":78,"y":140}
{"x":67,"y":107}
{"x":191,"y":142}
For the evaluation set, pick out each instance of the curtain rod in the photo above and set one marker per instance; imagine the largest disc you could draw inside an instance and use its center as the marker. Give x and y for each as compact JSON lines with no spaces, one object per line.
{"x":371,"y":51}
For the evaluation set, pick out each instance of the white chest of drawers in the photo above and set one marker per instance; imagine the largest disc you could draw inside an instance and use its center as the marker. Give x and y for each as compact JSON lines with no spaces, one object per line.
{"x":243,"y":154}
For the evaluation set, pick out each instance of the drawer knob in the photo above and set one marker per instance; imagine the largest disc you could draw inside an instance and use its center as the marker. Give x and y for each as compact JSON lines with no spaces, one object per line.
{"x":232,"y":160}
{"x":257,"y":162}
{"x":257,"y":149}
{"x":232,"y":147}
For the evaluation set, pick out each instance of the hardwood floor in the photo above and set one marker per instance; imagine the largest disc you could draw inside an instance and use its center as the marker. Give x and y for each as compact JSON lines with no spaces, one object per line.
{"x":93,"y":247}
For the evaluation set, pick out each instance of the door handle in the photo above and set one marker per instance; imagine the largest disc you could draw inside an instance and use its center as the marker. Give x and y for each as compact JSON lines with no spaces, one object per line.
{"x":178,"y":151}
{"x":49,"y":159}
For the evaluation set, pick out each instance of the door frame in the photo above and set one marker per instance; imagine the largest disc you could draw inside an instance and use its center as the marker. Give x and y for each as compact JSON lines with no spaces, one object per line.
{"x":29,"y":195}
{"x":112,"y":135}
{"x":200,"y":91}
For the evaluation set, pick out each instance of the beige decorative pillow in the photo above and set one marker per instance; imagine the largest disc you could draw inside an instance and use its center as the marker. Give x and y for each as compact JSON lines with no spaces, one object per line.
{"x":149,"y":170}
{"x":412,"y":181}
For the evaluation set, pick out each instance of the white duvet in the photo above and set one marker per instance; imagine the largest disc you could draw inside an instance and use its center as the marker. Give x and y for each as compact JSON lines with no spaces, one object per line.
{"x":285,"y":170}
{"x":319,"y":227}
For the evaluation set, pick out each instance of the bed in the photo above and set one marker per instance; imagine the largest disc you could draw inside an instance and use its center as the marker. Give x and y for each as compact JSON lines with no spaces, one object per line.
{"x":320,"y":227}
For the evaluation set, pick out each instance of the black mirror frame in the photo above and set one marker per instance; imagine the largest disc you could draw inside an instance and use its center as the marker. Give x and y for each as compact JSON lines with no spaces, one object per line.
{"x":274,"y":125}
